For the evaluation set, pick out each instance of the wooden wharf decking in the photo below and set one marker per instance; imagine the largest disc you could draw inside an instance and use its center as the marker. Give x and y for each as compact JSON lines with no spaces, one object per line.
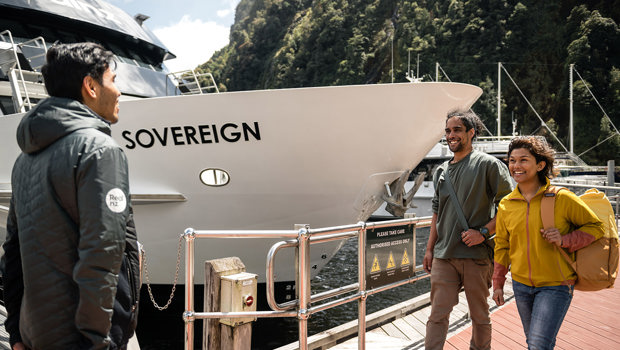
{"x":592,"y":322}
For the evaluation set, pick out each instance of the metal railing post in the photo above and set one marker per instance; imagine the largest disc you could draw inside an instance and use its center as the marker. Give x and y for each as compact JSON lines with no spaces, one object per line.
{"x":611,"y":166}
{"x":189,"y":316}
{"x":301,"y":238}
{"x":304,"y":286}
{"x":361,"y":275}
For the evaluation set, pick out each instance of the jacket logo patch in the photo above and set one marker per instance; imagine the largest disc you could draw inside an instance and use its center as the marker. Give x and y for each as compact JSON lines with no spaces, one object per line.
{"x":116,"y":200}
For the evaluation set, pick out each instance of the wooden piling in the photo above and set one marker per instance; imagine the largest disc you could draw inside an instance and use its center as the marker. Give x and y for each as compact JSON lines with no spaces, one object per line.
{"x":216,"y":335}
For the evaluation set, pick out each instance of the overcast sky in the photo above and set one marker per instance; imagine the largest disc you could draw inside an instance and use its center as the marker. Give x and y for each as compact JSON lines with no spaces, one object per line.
{"x":191,"y":29}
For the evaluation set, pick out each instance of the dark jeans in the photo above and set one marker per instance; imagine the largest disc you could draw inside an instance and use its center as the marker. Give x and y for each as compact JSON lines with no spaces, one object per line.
{"x":542,"y":310}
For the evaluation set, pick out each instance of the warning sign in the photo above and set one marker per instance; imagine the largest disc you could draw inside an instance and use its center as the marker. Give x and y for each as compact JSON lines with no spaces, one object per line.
{"x":405,"y":260}
{"x":375,"y":265}
{"x":383,"y":247}
{"x":390,"y":264}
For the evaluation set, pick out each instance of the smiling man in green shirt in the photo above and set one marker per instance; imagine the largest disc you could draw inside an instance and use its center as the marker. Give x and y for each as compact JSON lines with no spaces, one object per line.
{"x":457,"y":257}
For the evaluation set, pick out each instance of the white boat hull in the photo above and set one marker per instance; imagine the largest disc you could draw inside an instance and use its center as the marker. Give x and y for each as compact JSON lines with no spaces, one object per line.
{"x":317,"y":156}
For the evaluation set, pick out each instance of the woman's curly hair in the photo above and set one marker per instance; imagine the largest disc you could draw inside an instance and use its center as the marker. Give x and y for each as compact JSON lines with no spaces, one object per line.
{"x":541,"y":151}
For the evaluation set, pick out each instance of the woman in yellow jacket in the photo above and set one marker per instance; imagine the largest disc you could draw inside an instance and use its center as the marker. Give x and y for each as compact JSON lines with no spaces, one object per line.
{"x":543,"y":282}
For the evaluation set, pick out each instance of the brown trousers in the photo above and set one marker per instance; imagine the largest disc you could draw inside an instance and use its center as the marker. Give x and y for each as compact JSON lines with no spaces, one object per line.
{"x":448,"y":276}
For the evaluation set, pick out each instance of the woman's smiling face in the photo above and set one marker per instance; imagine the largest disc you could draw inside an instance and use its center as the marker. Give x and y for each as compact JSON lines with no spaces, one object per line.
{"x":523,"y":166}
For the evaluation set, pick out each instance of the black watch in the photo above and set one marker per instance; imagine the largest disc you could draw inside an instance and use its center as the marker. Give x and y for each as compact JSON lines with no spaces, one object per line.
{"x":485,"y":232}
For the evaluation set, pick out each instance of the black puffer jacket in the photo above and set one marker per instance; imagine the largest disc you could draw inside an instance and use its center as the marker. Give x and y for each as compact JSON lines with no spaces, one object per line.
{"x":69,"y":231}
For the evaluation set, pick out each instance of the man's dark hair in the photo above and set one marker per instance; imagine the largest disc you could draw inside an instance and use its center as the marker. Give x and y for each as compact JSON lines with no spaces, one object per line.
{"x":68,"y":64}
{"x":469,"y":119}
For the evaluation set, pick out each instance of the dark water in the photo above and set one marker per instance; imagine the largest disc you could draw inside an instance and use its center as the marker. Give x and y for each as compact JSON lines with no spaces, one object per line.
{"x":156,"y":332}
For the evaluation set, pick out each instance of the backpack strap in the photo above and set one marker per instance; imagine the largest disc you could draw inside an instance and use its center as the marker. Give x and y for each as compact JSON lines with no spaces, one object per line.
{"x":547,"y":206}
{"x":460,"y":215}
{"x":547,"y":214}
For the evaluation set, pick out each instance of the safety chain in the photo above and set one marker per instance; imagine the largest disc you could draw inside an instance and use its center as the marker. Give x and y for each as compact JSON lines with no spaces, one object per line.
{"x":176,"y":278}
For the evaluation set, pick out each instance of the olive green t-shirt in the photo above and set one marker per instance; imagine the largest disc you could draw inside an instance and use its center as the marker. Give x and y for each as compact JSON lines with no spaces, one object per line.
{"x":480,"y":182}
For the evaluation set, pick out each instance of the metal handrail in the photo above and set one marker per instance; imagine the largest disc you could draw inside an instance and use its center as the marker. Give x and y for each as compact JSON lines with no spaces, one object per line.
{"x":39,"y":43}
{"x":270,"y":278}
{"x":617,"y":200}
{"x":301,"y":240}
{"x":189,"y":79}
{"x":600,"y":187}
{"x":20,"y":107}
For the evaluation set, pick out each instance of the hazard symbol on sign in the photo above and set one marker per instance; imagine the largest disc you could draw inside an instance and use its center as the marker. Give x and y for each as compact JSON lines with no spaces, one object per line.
{"x":405,"y":260}
{"x":390,"y":264}
{"x":375,"y":265}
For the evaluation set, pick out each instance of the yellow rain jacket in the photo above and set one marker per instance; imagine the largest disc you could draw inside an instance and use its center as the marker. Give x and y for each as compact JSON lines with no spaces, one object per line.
{"x":519,"y":243}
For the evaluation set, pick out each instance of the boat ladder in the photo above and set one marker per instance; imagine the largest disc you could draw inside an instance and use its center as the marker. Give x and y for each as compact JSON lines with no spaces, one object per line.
{"x":191,"y":83}
{"x":22,"y":64}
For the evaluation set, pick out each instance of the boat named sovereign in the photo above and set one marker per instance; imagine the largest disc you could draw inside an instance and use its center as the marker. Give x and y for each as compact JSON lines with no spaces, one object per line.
{"x":188,"y":135}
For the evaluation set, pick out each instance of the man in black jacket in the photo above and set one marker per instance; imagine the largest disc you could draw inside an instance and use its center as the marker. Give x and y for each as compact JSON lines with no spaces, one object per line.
{"x":70,"y":235}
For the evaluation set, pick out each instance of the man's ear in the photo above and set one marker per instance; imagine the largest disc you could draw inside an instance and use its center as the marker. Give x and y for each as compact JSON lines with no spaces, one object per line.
{"x":472,"y":133}
{"x":88,"y":88}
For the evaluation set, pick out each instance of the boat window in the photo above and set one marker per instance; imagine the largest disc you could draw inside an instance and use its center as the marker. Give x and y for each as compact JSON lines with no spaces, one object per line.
{"x":118,"y":50}
{"x":17,"y":28}
{"x":214,"y":177}
{"x":140,"y":54}
{"x":68,"y":37}
{"x":144,"y":65}
{"x":6,"y":105}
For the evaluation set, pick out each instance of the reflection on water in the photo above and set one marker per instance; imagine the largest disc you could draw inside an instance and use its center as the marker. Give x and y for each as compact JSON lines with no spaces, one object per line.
{"x":270,"y":333}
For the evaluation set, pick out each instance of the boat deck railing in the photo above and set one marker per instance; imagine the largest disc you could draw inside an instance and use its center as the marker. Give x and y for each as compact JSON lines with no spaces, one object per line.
{"x":305,"y":304}
{"x":26,"y":81}
{"x":189,"y":82}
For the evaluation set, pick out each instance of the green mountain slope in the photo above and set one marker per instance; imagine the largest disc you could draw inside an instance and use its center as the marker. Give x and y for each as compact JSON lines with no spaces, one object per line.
{"x":302,"y":43}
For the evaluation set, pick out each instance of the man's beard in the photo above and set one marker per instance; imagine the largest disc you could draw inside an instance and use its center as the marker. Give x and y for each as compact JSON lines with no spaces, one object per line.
{"x":457,"y":147}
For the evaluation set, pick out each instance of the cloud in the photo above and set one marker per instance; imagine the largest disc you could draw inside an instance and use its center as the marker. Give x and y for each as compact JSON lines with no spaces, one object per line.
{"x":192,"y":41}
{"x":223,"y":13}
{"x":229,"y":10}
{"x":232,"y":4}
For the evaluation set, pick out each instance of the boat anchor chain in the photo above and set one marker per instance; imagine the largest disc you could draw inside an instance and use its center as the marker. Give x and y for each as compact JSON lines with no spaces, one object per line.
{"x":174,"y":284}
